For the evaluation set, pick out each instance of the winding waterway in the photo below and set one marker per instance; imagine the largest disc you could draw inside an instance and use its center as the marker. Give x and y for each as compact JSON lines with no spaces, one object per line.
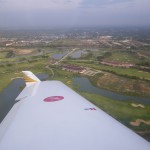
{"x":9,"y":94}
{"x":86,"y":86}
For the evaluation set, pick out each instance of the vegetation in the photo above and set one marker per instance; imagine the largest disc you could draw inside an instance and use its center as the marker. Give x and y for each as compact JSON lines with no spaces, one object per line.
{"x":128,"y":72}
{"x":10,"y":54}
{"x":2,"y":55}
{"x":10,"y":71}
{"x":105,"y":55}
{"x":122,"y":111}
{"x":124,"y":56}
{"x":122,"y":80}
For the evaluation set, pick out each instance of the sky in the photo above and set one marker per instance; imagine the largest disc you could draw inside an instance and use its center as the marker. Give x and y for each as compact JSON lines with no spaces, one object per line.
{"x":73,"y":13}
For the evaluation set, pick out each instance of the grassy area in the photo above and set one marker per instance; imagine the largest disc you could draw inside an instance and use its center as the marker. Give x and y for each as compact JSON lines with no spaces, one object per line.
{"x":122,"y":111}
{"x":126,"y":71}
{"x":121,"y":85}
{"x":122,"y":80}
{"x":3,"y":55}
{"x":8,"y":72}
{"x":66,"y":42}
{"x":10,"y":60}
{"x":120,"y":56}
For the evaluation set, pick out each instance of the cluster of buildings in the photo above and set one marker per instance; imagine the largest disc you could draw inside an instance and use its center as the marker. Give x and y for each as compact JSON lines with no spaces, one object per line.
{"x":81,"y":70}
{"x":73,"y":68}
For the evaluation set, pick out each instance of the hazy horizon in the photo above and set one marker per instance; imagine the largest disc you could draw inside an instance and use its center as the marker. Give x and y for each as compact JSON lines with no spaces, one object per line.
{"x":30,"y":14}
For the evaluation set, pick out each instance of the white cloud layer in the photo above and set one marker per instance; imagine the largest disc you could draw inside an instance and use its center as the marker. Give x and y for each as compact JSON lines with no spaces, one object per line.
{"x":74,"y":12}
{"x":40,"y":4}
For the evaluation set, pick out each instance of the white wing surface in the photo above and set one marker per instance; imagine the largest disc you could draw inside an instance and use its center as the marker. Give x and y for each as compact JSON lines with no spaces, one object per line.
{"x":51,"y":116}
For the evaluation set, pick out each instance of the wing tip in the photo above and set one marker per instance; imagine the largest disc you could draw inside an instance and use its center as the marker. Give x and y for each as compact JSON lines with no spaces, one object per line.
{"x":30,"y":78}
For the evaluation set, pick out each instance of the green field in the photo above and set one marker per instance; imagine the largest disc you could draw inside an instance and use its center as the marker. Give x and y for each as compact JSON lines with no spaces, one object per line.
{"x":3,"y":55}
{"x":122,"y":111}
{"x":123,"y":57}
{"x":8,"y":72}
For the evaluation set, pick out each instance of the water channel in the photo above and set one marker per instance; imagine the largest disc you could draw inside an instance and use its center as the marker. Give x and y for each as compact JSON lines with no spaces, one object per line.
{"x":8,"y":95}
{"x":85,"y":86}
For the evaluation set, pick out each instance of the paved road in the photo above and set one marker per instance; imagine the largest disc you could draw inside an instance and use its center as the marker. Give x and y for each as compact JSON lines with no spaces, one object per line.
{"x":66,"y":56}
{"x":50,"y":70}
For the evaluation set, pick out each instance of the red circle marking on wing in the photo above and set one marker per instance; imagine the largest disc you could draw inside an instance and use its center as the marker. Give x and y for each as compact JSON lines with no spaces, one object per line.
{"x":53,"y":98}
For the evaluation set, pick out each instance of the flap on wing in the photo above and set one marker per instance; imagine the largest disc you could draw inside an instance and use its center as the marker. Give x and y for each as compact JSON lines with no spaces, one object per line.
{"x":32,"y":84}
{"x":28,"y":91}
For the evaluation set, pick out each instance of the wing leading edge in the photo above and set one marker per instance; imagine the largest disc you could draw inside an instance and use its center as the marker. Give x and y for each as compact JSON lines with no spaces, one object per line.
{"x":52,"y":116}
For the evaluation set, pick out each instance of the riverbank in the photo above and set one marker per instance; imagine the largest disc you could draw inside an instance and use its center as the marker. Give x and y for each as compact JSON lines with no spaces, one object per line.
{"x":124,"y":112}
{"x":9,"y":72}
{"x":126,"y":81}
{"x":121,"y":85}
{"x":85,"y":85}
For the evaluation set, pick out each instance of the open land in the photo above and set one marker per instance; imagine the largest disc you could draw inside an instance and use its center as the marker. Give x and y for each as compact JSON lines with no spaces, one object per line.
{"x":111,"y":61}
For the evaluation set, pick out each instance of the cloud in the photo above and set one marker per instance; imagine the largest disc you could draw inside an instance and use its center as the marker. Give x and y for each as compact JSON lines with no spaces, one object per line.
{"x":3,"y":1}
{"x":73,"y":12}
{"x":98,"y":3}
{"x":41,"y":4}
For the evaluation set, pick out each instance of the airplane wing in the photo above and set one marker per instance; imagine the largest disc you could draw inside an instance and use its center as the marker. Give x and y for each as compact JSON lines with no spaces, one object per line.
{"x":51,"y":116}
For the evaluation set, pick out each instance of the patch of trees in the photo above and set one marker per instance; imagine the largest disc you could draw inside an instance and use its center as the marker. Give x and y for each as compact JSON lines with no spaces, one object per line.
{"x":147,"y":64}
{"x":87,"y":56}
{"x":107,"y":54}
{"x":10,"y":54}
{"x":125,"y":75}
{"x":30,"y":61}
{"x":133,"y":47}
{"x":143,"y":68}
{"x":22,"y":59}
{"x":45,"y":56}
{"x":9,"y":65}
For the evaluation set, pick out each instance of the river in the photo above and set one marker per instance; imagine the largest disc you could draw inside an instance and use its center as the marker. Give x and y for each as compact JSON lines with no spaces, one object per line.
{"x":8,"y":95}
{"x":86,"y":86}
